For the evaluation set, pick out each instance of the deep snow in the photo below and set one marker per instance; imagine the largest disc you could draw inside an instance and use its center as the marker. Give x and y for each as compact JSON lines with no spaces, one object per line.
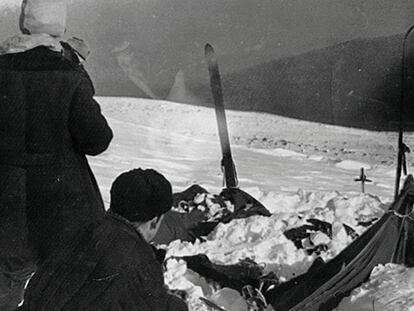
{"x":294,"y":168}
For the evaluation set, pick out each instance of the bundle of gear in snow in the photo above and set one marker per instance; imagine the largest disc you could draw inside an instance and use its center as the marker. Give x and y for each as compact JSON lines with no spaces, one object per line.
{"x":196,"y":213}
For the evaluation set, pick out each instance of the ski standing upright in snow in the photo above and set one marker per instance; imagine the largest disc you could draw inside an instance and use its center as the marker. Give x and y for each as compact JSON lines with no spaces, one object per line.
{"x":227,"y":163}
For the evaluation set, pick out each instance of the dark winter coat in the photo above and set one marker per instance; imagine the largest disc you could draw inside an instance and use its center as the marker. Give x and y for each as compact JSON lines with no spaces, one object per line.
{"x":48,"y":123}
{"x":109,"y":267}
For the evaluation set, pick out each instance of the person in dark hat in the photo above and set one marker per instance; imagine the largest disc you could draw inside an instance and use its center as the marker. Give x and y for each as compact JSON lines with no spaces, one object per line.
{"x":49,"y":122}
{"x":111,"y":266}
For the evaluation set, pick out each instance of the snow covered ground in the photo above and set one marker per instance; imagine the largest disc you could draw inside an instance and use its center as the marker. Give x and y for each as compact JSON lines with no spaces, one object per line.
{"x":294,"y":168}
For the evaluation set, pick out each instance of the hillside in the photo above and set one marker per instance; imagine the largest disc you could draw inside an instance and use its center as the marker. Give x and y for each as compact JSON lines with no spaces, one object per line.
{"x":356,"y":83}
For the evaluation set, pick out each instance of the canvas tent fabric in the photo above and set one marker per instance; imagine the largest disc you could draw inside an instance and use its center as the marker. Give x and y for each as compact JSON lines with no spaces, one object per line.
{"x":391,"y":239}
{"x":233,"y":276}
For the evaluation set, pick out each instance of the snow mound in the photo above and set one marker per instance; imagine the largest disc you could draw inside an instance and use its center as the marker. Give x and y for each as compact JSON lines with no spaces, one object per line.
{"x":280,"y":152}
{"x":316,"y":158}
{"x":390,"y":288}
{"x":351,"y":165}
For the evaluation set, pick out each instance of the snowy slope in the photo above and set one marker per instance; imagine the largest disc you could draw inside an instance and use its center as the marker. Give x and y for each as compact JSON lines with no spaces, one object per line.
{"x":181,"y":140}
{"x":294,"y":168}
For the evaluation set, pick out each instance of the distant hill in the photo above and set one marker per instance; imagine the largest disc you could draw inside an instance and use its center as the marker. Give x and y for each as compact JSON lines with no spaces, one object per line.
{"x":355,"y":83}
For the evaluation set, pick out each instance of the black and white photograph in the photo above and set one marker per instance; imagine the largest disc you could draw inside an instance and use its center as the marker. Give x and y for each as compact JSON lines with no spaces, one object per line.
{"x":206,"y":155}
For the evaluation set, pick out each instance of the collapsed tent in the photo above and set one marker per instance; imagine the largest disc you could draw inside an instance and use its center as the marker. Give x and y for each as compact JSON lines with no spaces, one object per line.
{"x":324,"y":285}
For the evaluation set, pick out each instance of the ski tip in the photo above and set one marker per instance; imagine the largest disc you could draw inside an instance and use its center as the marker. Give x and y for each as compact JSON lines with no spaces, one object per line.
{"x":208,"y":48}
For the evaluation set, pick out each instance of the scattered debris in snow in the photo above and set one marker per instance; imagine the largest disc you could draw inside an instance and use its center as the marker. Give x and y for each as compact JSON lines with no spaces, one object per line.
{"x":262,"y":239}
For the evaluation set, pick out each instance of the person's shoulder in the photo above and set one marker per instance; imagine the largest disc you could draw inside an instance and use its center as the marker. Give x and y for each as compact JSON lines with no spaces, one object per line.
{"x":38,"y":59}
{"x":128,"y":254}
{"x":127,"y":240}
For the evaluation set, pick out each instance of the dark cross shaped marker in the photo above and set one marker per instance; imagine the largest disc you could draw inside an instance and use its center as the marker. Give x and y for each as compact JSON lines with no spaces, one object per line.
{"x":363,"y":179}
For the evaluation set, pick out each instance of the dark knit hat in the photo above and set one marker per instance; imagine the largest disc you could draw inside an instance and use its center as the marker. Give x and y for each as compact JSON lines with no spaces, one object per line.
{"x":140,"y":195}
